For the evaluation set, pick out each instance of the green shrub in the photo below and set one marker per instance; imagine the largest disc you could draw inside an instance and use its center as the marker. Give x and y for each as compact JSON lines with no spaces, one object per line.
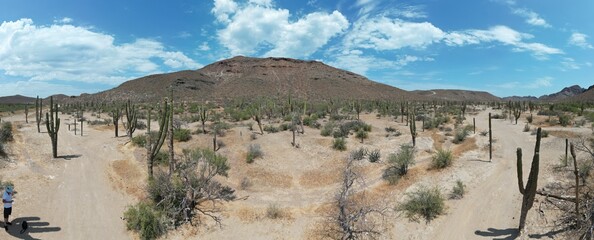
{"x":162,"y":158}
{"x":182,"y":135}
{"x":460,"y":135}
{"x":139,"y":140}
{"x":271,"y":129}
{"x":374,"y":156}
{"x":442,"y":159}
{"x":6,"y":132}
{"x":399,"y":163}
{"x":564,"y":120}
{"x":362,"y":134}
{"x":328,"y":129}
{"x":145,"y":220}
{"x":254,"y":152}
{"x":458,"y":190}
{"x":339,"y":144}
{"x":423,"y":203}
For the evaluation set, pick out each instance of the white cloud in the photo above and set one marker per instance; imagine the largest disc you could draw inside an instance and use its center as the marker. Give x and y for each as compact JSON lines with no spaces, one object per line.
{"x":222,"y":9}
{"x":531,"y":17}
{"x":382,"y":33}
{"x":406,"y":59}
{"x":259,"y":29}
{"x":541,"y":82}
{"x":411,"y":12}
{"x":504,"y":35}
{"x":43,"y":89}
{"x":580,"y":40}
{"x":538,"y":83}
{"x":65,"y":20}
{"x":71,"y":53}
{"x":204,"y":47}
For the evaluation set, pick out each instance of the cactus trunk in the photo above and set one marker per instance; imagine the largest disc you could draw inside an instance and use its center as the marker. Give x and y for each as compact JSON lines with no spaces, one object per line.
{"x":490,"y":140}
{"x":529,"y":192}
{"x":52,"y":123}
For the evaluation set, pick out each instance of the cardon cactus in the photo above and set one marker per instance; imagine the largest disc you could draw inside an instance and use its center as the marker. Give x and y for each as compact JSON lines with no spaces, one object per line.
{"x":52,"y":123}
{"x":528,"y":192}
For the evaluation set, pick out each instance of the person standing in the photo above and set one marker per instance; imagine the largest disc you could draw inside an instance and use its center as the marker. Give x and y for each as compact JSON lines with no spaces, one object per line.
{"x":7,"y":200}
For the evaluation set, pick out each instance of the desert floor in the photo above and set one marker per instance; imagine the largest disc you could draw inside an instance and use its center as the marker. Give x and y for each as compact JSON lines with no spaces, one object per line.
{"x":83,"y":193}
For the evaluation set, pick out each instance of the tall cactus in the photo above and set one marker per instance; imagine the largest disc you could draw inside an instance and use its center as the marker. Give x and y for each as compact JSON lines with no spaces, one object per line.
{"x":413,"y":126}
{"x":27,"y":113}
{"x":203,"y":114}
{"x":116,"y":113}
{"x":52,"y":123}
{"x":153,"y":147}
{"x":528,"y":192}
{"x":490,"y":140}
{"x":38,"y":112}
{"x":131,"y":119}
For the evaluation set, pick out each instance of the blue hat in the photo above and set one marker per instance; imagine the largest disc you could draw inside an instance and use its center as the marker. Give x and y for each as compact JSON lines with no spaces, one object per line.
{"x":9,"y":189}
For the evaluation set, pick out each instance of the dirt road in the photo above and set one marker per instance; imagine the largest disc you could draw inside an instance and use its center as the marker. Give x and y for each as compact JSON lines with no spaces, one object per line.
{"x":69,"y":197}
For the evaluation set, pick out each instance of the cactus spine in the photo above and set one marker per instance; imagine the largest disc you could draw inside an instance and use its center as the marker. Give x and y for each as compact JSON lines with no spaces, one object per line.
{"x":52,"y":123}
{"x":528,"y":192}
{"x":131,"y":119}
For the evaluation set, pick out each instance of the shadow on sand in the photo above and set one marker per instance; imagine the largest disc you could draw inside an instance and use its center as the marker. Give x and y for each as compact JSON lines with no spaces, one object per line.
{"x":70,"y":157}
{"x":499,"y":234}
{"x":35,"y":226}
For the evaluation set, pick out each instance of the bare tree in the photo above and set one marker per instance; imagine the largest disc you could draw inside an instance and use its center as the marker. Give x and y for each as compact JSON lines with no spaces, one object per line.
{"x":352,"y":217}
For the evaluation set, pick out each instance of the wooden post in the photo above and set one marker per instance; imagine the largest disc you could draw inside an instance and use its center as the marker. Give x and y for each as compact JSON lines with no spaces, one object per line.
{"x":474,"y":125}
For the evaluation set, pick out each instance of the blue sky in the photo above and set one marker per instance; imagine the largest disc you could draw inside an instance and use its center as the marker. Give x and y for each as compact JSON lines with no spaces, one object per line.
{"x":506,"y":47}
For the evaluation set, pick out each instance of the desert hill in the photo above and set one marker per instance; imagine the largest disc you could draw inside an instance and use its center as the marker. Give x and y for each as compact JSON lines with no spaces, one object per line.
{"x":563,"y":94}
{"x":244,"y":77}
{"x":587,"y":95}
{"x":16,"y":99}
{"x":456,"y":95}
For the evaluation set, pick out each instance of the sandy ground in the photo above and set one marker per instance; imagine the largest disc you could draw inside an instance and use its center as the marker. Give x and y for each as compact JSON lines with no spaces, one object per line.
{"x":84,"y":194}
{"x":70,"y":197}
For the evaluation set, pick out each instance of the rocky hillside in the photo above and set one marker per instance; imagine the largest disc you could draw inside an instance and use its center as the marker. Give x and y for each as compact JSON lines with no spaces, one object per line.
{"x":243,"y":77}
{"x":563,"y":94}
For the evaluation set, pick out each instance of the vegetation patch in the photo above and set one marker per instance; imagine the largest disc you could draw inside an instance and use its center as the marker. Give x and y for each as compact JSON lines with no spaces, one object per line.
{"x":424,"y":203}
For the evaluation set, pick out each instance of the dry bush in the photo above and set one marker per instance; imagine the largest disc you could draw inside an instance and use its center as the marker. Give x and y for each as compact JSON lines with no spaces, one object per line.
{"x":426,"y":203}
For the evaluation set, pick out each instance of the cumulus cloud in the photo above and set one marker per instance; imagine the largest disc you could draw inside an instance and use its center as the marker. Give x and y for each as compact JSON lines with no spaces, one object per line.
{"x":383,"y":33}
{"x":257,"y":28}
{"x":531,"y":17}
{"x":222,"y":9}
{"x":504,"y":35}
{"x":71,"y":53}
{"x":580,"y":40}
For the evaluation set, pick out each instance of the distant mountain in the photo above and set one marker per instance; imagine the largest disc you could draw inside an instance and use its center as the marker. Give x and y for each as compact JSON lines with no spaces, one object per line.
{"x":587,"y":95}
{"x":16,"y":99}
{"x":563,"y":94}
{"x":456,"y":95}
{"x":244,"y":77}
{"x":520,"y":99}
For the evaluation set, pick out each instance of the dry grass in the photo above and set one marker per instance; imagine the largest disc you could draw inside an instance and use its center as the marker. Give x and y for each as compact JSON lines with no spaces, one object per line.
{"x":318,"y":178}
{"x":438,"y":140}
{"x":127,"y":177}
{"x":467,"y":145}
{"x":563,"y":134}
{"x":265,"y":178}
